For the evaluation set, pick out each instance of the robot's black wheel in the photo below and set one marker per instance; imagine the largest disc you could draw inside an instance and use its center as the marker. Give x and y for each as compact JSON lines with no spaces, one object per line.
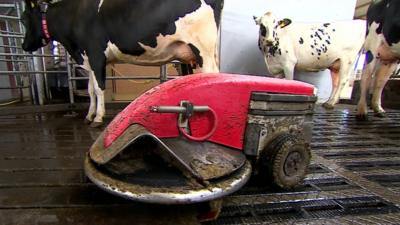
{"x":286,"y":161}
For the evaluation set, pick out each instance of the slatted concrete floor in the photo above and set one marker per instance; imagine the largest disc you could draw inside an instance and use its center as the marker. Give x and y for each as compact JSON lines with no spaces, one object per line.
{"x":354,"y":178}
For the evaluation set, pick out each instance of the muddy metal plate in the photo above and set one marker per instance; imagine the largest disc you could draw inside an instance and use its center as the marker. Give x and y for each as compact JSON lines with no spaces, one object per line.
{"x":208,"y":160}
{"x":142,"y":167}
{"x":200,"y":160}
{"x":159,"y":183}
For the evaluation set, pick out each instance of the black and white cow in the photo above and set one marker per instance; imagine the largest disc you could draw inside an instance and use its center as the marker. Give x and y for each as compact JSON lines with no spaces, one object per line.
{"x":311,"y":47}
{"x":382,"y":47}
{"x":143,"y":32}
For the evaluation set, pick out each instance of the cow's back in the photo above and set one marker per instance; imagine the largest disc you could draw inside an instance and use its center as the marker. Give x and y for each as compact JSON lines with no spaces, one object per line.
{"x":338,"y":35}
{"x":129,"y":23}
{"x":318,"y":45}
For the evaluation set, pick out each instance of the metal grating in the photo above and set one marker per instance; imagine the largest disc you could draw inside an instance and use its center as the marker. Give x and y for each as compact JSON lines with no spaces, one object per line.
{"x":310,"y":209}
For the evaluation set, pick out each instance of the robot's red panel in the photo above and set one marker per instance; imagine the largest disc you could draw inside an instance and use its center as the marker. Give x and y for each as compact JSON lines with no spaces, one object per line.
{"x":227,"y":94}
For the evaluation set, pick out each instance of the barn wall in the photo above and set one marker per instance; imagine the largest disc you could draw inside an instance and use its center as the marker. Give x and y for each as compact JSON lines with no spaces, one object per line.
{"x":239,"y":34}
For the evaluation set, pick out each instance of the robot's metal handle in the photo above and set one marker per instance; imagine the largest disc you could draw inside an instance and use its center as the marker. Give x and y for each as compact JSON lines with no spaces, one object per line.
{"x":178,"y":109}
{"x":186,"y":110}
{"x":184,"y":130}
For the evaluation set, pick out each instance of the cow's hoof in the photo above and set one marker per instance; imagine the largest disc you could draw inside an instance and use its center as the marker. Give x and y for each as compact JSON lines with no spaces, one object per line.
{"x":362,"y":117}
{"x":86,"y":121}
{"x":380,"y":114}
{"x":327,"y":106}
{"x":96,"y":124}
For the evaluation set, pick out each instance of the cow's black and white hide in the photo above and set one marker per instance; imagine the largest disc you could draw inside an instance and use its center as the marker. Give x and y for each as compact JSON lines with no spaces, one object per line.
{"x":382,"y":47}
{"x":311,"y":47}
{"x":146,"y":32}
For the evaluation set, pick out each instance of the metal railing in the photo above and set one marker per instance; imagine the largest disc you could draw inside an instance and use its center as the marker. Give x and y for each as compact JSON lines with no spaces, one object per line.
{"x":11,"y":34}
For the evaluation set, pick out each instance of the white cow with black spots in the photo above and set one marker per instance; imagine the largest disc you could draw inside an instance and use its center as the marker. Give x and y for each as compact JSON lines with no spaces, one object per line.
{"x":311,"y":47}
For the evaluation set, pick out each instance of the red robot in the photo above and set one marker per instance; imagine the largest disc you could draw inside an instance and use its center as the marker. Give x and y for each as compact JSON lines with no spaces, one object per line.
{"x":201,"y":137}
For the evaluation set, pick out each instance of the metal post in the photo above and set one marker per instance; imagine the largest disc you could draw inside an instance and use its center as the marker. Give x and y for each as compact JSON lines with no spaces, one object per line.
{"x":10,"y":42}
{"x":10,"y":57}
{"x":70,"y":81}
{"x":113,"y":83}
{"x":163,"y":73}
{"x":37,"y":65}
{"x":21,"y":27}
{"x":32,"y":81}
{"x":12,"y":51}
{"x":46,"y":83}
{"x":19,"y":8}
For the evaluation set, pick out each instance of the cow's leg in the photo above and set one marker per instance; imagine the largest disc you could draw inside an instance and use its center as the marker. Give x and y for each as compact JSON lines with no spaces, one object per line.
{"x":381,"y":77}
{"x":92,"y":108}
{"x":97,"y":64}
{"x":334,"y":69}
{"x":205,"y":48}
{"x":335,"y":85}
{"x":208,"y":59}
{"x":335,"y":79}
{"x":343,"y":74}
{"x":362,"y":110}
{"x":288,"y":70}
{"x":100,"y":110}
